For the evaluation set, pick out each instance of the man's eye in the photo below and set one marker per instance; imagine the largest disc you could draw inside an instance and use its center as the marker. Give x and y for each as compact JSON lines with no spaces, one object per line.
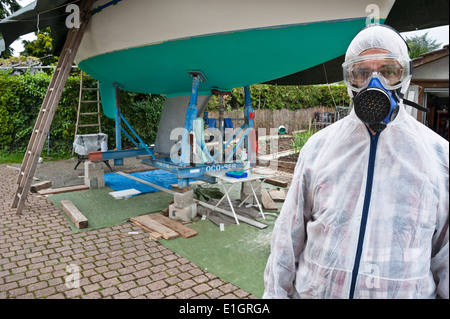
{"x":389,"y":71}
{"x":361,"y":72}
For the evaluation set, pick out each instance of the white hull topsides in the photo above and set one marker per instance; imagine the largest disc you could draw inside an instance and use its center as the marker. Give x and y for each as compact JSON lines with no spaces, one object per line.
{"x":135,"y":23}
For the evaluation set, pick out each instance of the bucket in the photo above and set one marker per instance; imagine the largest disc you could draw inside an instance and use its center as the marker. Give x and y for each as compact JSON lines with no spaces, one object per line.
{"x":281,"y":130}
{"x":103,"y":146}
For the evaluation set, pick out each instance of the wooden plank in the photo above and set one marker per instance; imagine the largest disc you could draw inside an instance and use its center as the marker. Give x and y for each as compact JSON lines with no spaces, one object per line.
{"x":137,"y":170}
{"x":41,"y":185}
{"x":79,"y":220}
{"x":181,"y":229}
{"x":276,"y":181}
{"x":62,"y":189}
{"x":155,"y":235}
{"x":151,"y":225}
{"x":286,"y":166}
{"x":278,"y":195}
{"x":190,"y":183}
{"x":267,"y":201}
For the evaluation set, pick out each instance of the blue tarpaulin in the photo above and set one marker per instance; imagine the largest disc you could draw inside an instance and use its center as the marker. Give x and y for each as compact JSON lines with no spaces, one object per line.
{"x":158,"y":177}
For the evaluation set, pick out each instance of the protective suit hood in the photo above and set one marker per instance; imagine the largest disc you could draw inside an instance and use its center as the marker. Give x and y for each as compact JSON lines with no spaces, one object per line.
{"x":378,"y":36}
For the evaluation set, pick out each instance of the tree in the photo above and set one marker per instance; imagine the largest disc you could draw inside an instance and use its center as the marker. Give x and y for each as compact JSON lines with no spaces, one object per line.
{"x":420,"y":44}
{"x":7,"y":7}
{"x":41,"y":47}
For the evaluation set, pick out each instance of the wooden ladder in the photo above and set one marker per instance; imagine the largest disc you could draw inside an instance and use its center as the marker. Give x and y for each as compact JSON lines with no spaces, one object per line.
{"x":85,"y":100}
{"x":48,"y":108}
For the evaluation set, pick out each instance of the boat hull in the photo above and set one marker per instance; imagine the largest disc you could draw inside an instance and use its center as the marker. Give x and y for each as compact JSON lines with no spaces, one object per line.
{"x":150,"y":46}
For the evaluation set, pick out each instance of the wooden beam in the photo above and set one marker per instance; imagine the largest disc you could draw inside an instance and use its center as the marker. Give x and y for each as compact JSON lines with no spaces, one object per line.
{"x":276,"y":181}
{"x":155,"y":235}
{"x":41,"y":185}
{"x":151,"y":225}
{"x":267,"y":201}
{"x":62,"y":190}
{"x":136,"y":170}
{"x":278,"y":195}
{"x":243,"y":219}
{"x":289,"y":166}
{"x":74,"y":214}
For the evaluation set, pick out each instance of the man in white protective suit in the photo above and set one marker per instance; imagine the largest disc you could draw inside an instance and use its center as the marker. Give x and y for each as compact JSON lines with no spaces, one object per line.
{"x":366,"y":215}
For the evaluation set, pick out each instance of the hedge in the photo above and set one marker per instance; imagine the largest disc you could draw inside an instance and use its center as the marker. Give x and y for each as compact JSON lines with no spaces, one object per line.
{"x":290,"y":97}
{"x":21,"y":97}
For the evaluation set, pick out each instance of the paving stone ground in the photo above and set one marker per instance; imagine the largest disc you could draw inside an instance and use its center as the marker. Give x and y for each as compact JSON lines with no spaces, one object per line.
{"x":40,"y":257}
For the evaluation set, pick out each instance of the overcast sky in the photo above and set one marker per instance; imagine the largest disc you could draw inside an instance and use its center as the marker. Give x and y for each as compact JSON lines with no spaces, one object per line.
{"x":440,"y":34}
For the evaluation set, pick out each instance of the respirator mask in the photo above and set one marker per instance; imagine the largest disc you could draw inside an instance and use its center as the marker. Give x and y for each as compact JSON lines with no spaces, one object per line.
{"x":376,"y":81}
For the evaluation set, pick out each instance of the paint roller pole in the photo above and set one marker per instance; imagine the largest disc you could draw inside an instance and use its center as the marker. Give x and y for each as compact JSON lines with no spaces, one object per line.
{"x":191,"y":115}
{"x":221,"y":110}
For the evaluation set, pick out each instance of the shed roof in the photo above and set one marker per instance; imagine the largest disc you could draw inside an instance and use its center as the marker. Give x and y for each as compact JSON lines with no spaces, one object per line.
{"x":430,"y":56}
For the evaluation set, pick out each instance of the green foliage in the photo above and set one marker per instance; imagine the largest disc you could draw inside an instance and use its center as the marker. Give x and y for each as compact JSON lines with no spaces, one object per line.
{"x":21,"y":97}
{"x":420,"y":44}
{"x":6,"y":157}
{"x":274,"y":97}
{"x":41,"y":47}
{"x":8,"y":7}
{"x":300,"y":139}
{"x":19,"y":61}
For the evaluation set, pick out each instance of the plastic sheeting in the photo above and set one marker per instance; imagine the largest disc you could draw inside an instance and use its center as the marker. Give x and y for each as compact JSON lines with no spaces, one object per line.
{"x":158,"y":177}
{"x":199,"y":134}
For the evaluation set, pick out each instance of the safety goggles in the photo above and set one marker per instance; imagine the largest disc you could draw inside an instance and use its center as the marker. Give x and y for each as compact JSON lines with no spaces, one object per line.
{"x":392,"y":70}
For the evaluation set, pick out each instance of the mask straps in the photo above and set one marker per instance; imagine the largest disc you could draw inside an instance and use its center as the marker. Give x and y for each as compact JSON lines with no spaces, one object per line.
{"x":413,"y":104}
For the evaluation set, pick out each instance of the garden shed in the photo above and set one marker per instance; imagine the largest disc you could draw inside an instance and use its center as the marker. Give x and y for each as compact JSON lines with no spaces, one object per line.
{"x":430,"y":81}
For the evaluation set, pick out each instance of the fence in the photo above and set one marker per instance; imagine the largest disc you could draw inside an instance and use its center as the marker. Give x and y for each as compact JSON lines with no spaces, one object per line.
{"x":319,"y":117}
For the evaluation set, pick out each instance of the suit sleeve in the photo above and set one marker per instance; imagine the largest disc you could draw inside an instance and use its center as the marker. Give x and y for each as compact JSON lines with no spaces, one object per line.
{"x":288,"y":238}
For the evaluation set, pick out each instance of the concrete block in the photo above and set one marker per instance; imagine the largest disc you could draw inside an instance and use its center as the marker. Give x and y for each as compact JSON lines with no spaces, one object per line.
{"x":91,"y":182}
{"x":88,"y":165}
{"x":185,"y":214}
{"x":95,"y":182}
{"x":185,"y":199}
{"x":101,"y":182}
{"x":94,"y":173}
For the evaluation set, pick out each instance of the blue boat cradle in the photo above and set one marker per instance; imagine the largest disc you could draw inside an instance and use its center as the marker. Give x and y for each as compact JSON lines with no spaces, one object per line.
{"x":228,"y":123}
{"x":212,"y":123}
{"x":192,"y":143}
